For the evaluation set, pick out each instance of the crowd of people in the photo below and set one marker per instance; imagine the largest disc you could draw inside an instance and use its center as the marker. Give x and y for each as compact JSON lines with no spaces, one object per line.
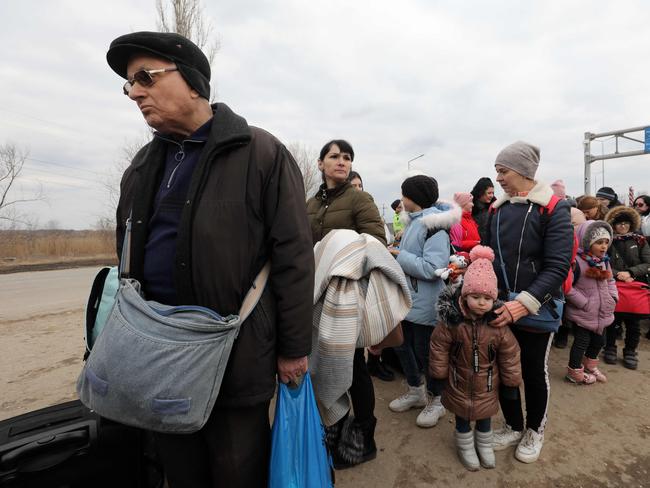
{"x":484,"y":278}
{"x":467,"y":346}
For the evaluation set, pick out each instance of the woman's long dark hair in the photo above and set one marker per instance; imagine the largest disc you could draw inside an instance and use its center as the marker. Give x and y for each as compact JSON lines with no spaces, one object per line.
{"x":353,"y":175}
{"x":646,"y":199}
{"x":478,"y":191}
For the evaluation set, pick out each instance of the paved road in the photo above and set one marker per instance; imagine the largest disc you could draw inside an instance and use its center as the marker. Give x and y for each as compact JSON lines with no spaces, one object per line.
{"x":35,"y":293}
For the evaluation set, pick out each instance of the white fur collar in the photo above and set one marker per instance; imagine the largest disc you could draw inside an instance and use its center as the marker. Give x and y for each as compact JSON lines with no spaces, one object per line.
{"x":442,"y":215}
{"x":540,"y":194}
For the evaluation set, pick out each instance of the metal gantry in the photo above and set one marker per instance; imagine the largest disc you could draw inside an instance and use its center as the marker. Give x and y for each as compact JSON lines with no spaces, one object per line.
{"x":616,"y":134}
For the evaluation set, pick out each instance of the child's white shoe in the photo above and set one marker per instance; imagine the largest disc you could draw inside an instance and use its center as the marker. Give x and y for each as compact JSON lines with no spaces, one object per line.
{"x":484,"y":449}
{"x":466,"y":451}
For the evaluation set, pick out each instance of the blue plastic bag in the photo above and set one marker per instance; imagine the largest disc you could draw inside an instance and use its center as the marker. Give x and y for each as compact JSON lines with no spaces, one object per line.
{"x":299,"y":457}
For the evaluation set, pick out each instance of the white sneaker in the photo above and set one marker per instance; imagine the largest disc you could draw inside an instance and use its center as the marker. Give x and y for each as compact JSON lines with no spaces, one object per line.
{"x":430,"y":415}
{"x":415,"y":397}
{"x":530,"y":447}
{"x":505,"y":437}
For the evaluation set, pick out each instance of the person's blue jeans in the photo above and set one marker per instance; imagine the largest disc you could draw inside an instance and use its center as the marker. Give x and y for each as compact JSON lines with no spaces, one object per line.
{"x":482,"y":425}
{"x":413,"y":355}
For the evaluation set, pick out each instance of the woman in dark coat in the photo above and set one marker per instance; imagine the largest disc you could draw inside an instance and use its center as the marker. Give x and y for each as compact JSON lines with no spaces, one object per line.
{"x":535,"y":246}
{"x":483,"y":197}
{"x":338,"y":205}
{"x":630,"y":260}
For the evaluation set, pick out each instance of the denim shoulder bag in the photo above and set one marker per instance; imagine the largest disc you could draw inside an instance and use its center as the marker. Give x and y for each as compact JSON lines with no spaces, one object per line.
{"x":549,"y":315}
{"x":160,"y":367}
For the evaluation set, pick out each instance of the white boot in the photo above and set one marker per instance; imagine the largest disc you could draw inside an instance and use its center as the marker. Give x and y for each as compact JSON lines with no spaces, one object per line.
{"x":484,"y":448}
{"x":466,"y":451}
{"x":430,"y":415}
{"x":415,"y":397}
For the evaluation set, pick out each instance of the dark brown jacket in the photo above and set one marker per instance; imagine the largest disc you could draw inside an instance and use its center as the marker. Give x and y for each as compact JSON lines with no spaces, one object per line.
{"x":344,"y":207}
{"x":471,"y":391}
{"x":244,"y":207}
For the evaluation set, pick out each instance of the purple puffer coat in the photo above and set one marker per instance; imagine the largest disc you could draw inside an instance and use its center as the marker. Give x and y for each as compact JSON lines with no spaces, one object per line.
{"x":591,"y":301}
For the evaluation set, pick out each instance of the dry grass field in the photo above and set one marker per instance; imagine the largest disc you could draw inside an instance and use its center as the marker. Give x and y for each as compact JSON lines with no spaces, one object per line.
{"x":20,"y":250}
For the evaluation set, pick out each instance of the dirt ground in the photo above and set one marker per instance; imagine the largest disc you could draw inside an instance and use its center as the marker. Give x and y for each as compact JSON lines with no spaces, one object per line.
{"x":597,"y":436}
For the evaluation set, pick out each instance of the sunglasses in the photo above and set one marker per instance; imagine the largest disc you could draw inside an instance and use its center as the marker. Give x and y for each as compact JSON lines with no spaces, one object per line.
{"x":639,"y":204}
{"x":144,"y":78}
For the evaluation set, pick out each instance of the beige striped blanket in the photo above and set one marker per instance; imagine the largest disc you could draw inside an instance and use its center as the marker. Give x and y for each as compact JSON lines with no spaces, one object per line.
{"x":360,"y":295}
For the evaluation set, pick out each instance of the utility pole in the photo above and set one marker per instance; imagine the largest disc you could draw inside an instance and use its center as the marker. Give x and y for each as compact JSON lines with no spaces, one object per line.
{"x":589,"y":158}
{"x":408,"y":163}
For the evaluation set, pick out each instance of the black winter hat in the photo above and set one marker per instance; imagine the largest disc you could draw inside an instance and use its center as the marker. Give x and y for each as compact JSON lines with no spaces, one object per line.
{"x":608,"y":193}
{"x":395,"y":204}
{"x":190,"y":60}
{"x":423,"y":190}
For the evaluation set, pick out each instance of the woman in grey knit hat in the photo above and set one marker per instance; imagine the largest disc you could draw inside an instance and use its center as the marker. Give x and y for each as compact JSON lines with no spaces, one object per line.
{"x":530,"y":230}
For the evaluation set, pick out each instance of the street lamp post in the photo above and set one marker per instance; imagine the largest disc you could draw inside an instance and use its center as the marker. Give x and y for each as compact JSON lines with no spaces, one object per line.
{"x":408,"y":163}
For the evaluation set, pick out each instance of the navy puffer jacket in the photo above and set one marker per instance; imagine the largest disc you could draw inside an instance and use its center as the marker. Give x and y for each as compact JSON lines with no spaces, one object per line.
{"x":536,"y":261}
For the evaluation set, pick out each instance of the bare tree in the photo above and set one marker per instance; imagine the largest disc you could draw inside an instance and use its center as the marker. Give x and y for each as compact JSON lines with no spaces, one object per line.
{"x":307,"y":159}
{"x":110,"y":181}
{"x":185,"y":17}
{"x":12,"y":162}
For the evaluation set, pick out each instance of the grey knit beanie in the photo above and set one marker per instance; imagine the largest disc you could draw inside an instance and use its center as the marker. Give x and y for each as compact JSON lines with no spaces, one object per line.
{"x":521,"y":157}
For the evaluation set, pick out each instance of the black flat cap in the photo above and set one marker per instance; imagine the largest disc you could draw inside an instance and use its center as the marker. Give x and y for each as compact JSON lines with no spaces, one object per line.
{"x":190,"y":60}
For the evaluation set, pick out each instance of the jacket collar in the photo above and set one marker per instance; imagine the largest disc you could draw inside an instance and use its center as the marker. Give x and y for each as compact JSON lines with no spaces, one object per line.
{"x":540,"y":194}
{"x":441,"y":216}
{"x":227,"y":128}
{"x":325,"y":193}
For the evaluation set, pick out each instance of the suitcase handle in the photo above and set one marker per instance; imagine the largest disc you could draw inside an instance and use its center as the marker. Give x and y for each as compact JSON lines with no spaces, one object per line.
{"x":45,"y":452}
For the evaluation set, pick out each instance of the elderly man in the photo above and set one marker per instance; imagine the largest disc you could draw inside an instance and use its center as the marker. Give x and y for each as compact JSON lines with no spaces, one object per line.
{"x":212,"y":199}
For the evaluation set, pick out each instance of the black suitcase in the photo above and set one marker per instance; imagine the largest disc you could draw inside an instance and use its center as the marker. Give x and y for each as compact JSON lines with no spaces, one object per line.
{"x":70,"y":446}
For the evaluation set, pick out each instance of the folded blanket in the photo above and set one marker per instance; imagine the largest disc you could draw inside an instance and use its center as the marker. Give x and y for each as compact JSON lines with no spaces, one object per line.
{"x":360,"y":295}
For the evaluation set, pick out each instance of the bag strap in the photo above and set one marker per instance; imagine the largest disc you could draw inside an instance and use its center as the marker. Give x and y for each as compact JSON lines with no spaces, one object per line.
{"x":433,"y":232}
{"x":503,"y":265}
{"x":255,"y":292}
{"x":250,"y":300}
{"x":125,"y":262}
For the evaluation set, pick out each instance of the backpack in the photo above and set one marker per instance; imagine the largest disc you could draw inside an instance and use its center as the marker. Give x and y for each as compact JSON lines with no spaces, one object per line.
{"x":545,"y":214}
{"x":544,"y":210}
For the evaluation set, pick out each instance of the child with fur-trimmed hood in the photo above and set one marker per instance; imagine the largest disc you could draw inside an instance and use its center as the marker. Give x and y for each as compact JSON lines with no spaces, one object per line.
{"x":424,"y":248}
{"x":630,"y":259}
{"x":474,"y":358}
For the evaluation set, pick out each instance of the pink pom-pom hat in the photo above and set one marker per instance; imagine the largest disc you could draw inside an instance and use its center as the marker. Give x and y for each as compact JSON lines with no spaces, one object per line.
{"x":479,"y":277}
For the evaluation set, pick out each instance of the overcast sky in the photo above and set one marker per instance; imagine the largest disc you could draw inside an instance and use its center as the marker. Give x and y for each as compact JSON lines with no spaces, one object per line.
{"x":455,"y":80}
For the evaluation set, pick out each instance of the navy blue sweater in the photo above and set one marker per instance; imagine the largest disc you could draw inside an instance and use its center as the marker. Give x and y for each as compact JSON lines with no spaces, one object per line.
{"x":160,"y":250}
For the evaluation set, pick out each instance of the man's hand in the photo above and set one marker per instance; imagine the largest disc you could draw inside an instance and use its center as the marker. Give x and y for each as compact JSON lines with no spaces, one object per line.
{"x":290,"y":369}
{"x":394,"y":251}
{"x":509,"y":313}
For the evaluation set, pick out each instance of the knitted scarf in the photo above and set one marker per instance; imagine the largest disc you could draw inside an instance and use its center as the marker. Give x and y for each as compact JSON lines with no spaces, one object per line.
{"x":640,"y":240}
{"x":597,"y":266}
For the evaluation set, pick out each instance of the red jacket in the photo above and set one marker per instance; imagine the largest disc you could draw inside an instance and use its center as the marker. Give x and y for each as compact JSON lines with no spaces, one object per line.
{"x":464,"y":236}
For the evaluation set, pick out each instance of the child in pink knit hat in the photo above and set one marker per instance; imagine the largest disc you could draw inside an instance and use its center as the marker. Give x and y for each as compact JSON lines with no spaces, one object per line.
{"x":464,"y":235}
{"x":473,"y":359}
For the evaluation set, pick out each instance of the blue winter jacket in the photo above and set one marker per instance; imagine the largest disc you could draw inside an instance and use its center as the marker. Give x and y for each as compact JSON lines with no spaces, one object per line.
{"x":423,"y":249}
